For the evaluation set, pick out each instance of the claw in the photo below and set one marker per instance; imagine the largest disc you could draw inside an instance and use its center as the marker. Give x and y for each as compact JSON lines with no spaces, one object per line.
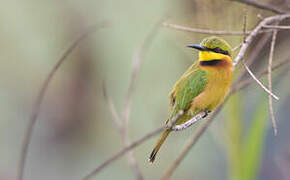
{"x":206,"y":113}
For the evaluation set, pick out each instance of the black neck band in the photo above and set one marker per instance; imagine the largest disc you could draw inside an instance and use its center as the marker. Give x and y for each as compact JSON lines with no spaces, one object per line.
{"x":212,"y":62}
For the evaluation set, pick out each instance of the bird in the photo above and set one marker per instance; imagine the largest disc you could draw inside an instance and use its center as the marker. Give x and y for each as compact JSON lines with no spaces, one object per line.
{"x":202,"y":87}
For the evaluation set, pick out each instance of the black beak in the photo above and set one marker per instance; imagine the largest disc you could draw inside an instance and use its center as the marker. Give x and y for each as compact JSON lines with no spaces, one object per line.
{"x":198,"y":47}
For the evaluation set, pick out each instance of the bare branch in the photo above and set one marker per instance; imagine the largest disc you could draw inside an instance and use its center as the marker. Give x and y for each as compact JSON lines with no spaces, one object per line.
{"x":137,"y":60}
{"x":263,"y":6}
{"x":259,"y":82}
{"x":274,"y":124}
{"x":246,"y":82}
{"x":208,"y":31}
{"x":255,"y":51}
{"x":111,"y":108}
{"x":253,"y":34}
{"x":123,"y":151}
{"x":277,"y":27}
{"x":245,"y":26}
{"x":42,"y":91}
{"x":237,"y":47}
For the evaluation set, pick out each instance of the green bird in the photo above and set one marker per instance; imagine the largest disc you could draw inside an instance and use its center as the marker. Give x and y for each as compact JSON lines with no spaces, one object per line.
{"x":202,"y":87}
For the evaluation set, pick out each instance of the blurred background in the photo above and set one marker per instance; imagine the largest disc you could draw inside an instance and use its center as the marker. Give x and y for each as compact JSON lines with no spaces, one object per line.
{"x":75,"y":131}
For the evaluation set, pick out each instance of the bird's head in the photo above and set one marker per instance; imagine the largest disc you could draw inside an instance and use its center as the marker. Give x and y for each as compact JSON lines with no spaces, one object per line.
{"x":213,"y":49}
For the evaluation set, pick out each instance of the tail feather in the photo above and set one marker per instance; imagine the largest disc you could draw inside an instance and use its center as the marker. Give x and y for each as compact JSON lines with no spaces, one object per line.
{"x":158,"y":145}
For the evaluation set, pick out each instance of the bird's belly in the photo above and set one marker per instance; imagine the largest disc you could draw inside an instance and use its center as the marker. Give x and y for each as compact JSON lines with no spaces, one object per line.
{"x":214,"y":93}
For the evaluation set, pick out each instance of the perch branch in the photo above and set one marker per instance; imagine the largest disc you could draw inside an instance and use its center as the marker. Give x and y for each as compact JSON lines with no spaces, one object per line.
{"x":39,"y":99}
{"x":168,"y":173}
{"x":190,"y":122}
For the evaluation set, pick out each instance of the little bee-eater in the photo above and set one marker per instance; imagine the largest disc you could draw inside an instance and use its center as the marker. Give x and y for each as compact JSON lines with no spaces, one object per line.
{"x":203,"y":86}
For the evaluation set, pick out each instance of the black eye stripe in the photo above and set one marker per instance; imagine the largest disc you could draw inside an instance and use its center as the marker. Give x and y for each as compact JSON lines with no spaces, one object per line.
{"x":218,"y":50}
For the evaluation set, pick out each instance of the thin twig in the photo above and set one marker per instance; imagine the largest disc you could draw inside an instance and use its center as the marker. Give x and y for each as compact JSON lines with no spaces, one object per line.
{"x":274,"y":123}
{"x":123,"y":151}
{"x":136,"y":64}
{"x":259,"y":82}
{"x":112,"y":108}
{"x":208,"y":31}
{"x":137,"y":60}
{"x":245,"y":26}
{"x":237,"y":47}
{"x":277,"y":27}
{"x":255,"y":51}
{"x":39,"y":99}
{"x":263,"y":6}
{"x":250,"y":80}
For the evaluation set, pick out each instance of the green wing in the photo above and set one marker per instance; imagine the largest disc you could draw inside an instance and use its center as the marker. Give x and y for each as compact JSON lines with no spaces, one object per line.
{"x":191,"y":84}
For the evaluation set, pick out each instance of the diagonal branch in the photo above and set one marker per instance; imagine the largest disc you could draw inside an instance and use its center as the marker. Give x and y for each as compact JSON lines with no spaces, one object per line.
{"x":274,"y":124}
{"x":263,"y":6}
{"x":259,"y":82}
{"x":137,"y":60}
{"x":123,"y":151}
{"x":254,"y":33}
{"x":255,"y":51}
{"x":112,"y":108}
{"x":250,"y":80}
{"x":42,"y":91}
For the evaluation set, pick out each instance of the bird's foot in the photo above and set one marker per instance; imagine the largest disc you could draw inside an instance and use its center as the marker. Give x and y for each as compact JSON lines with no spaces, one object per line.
{"x":190,"y":122}
{"x":206,"y":113}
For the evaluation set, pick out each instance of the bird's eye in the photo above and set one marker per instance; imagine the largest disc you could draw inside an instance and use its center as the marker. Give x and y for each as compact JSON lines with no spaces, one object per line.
{"x":219,"y":50}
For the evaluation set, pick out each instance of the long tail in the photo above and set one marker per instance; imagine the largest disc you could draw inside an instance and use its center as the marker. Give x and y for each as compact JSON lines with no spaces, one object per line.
{"x":158,"y":145}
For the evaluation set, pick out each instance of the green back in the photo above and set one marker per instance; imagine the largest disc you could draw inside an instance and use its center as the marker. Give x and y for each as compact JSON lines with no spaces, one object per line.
{"x":187,"y":89}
